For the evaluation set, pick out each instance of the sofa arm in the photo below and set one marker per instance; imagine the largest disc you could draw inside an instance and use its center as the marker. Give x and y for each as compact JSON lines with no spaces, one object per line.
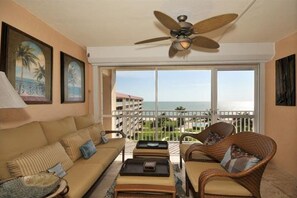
{"x":115,"y":131}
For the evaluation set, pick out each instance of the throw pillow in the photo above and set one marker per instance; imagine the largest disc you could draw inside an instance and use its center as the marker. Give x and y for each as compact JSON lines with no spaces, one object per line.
{"x":38,"y":160}
{"x":88,"y":149}
{"x":212,"y":138}
{"x":74,"y":141}
{"x":58,"y":170}
{"x":236,"y":160}
{"x":104,"y":139}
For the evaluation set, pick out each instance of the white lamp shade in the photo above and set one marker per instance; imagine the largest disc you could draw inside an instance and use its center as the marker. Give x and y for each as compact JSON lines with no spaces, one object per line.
{"x":9,"y":98}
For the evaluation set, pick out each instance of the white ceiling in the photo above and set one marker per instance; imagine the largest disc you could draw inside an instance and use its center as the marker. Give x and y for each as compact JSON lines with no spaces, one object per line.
{"x":99,"y":23}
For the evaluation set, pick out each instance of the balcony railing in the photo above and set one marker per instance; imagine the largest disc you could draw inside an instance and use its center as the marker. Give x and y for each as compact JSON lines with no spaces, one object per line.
{"x":170,"y":125}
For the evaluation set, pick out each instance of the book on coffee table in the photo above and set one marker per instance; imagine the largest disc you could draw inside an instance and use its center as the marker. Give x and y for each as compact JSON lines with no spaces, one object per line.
{"x":149,"y":166}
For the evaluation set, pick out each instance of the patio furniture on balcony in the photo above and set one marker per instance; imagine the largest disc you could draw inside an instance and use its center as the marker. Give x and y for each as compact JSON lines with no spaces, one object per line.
{"x":242,"y":175}
{"x":223,"y":129}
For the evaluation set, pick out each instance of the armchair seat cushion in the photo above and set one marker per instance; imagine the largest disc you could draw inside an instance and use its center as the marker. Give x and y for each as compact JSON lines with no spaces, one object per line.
{"x":196,"y":155}
{"x":216,"y":185}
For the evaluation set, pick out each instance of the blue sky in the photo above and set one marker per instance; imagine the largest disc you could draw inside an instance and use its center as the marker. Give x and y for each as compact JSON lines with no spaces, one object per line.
{"x":186,"y":85}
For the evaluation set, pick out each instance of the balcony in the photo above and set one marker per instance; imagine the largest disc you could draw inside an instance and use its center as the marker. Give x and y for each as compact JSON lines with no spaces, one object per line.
{"x":170,"y":125}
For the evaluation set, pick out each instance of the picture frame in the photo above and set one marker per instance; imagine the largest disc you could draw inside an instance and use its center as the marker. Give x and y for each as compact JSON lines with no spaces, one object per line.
{"x":285,"y":83}
{"x":28,"y":64}
{"x":72,"y":79}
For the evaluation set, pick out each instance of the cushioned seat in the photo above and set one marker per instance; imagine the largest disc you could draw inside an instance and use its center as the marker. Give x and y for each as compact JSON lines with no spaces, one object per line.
{"x":103,"y":156}
{"x":220,"y":129}
{"x":146,"y":184}
{"x":217,"y":185}
{"x":195,"y":155}
{"x":81,"y":176}
{"x":244,"y":157}
{"x":151,"y":153}
{"x":164,"y":181}
{"x":118,"y":143}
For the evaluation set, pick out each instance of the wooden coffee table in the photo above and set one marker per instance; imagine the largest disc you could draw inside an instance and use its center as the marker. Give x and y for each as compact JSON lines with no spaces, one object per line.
{"x":144,"y":186}
{"x":148,"y":149}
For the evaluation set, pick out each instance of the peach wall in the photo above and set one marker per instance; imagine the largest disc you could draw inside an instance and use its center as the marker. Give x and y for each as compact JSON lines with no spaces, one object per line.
{"x":281,"y":121}
{"x":18,"y":17}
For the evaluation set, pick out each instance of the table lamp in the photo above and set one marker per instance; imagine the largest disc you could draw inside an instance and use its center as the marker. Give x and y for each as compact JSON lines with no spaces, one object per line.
{"x":9,"y":98}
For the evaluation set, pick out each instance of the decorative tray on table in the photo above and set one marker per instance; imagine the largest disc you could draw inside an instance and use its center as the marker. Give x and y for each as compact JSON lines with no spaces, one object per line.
{"x":143,"y":144}
{"x":146,"y":167}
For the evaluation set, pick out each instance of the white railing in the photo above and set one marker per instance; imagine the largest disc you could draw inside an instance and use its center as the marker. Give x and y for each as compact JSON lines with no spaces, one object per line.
{"x":169,"y":125}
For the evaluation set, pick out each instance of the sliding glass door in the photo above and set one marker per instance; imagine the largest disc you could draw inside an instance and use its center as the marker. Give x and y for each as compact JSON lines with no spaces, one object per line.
{"x":162,"y":103}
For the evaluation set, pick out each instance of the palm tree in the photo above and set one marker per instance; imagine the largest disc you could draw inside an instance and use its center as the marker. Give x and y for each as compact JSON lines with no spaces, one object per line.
{"x":25,"y":54}
{"x":72,"y":77}
{"x":39,"y":72}
{"x":180,"y":121}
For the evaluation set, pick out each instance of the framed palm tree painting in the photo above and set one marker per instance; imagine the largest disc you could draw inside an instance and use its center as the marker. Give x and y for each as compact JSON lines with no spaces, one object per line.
{"x":27,"y":63}
{"x":72,"y":79}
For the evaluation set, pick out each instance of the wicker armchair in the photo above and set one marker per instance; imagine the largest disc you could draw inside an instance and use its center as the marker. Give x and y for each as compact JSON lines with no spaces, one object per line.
{"x":210,"y":179}
{"x":222,"y":128}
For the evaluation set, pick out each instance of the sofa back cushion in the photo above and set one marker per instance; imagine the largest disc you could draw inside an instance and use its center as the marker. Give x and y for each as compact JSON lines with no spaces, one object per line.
{"x":84,"y":121}
{"x":37,"y":160}
{"x":95,"y":132}
{"x":55,"y":130}
{"x":74,"y":141}
{"x":18,"y":140}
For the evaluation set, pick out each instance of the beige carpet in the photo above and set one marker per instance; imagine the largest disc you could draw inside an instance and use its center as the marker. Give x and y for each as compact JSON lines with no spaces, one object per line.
{"x":275,"y":184}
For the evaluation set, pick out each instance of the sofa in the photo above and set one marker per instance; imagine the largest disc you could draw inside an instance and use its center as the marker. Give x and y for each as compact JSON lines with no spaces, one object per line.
{"x":38,"y":146}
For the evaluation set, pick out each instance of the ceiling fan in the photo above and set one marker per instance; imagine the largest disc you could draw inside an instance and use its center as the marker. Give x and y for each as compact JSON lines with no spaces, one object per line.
{"x":182,"y":30}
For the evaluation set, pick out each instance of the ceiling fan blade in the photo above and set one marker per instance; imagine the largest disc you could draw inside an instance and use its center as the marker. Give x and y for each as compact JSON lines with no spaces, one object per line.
{"x":172,"y":51}
{"x":205,"y":42}
{"x":167,"y":21}
{"x":153,"y":40}
{"x":213,"y":23}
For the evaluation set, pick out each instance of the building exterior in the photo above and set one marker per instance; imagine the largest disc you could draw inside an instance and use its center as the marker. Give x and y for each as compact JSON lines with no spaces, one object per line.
{"x":129,"y":110}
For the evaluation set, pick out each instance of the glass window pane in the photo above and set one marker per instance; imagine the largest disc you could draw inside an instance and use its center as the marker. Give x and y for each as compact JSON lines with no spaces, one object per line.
{"x":190,"y":89}
{"x":236,"y":90}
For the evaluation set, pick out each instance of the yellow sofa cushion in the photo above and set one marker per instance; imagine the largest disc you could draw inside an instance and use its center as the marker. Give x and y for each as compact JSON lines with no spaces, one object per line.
{"x":216,"y":185}
{"x":116,"y":143}
{"x":38,"y":160}
{"x":83,"y":121}
{"x":95,"y":132}
{"x":74,"y":141}
{"x":19,"y":140}
{"x":103,"y":156}
{"x":55,"y":130}
{"x":81,"y":177}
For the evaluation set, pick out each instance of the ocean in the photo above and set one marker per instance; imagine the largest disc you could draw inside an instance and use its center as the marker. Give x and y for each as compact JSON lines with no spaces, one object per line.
{"x":201,"y":106}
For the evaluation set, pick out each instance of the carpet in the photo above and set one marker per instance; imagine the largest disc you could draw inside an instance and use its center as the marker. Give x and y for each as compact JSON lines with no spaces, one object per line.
{"x":180,"y":193}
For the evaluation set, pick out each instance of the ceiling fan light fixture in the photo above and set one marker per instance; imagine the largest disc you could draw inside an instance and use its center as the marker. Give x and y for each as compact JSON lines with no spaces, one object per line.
{"x":182,"y":43}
